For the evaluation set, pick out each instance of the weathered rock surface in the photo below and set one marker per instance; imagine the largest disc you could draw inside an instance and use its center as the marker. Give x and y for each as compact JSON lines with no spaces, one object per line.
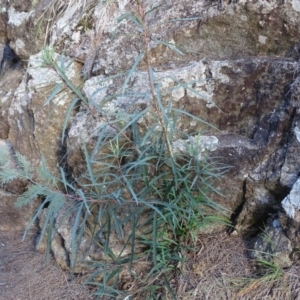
{"x":273,"y":245}
{"x":241,"y":58}
{"x":12,"y":218}
{"x":9,"y":83}
{"x":290,"y":218}
{"x":35,"y":120}
{"x":250,"y":100}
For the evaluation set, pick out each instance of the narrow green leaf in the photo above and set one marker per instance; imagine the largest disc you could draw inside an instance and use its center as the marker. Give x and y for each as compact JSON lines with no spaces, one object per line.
{"x":106,"y":244}
{"x":132,"y":70}
{"x":171,"y":46}
{"x":67,"y":117}
{"x":82,"y":195}
{"x":113,"y":274}
{"x":132,"y":18}
{"x":64,"y":180}
{"x":74,"y":247}
{"x":34,"y":218}
{"x":56,"y":90}
{"x":48,"y":58}
{"x":154,"y":239}
{"x":45,"y":224}
{"x":89,"y":166}
{"x":154,"y":8}
{"x":195,"y":118}
{"x":167,"y":285}
{"x":116,"y":222}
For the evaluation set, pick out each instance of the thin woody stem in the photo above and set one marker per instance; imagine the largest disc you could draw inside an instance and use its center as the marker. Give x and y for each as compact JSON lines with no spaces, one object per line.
{"x":152,"y":89}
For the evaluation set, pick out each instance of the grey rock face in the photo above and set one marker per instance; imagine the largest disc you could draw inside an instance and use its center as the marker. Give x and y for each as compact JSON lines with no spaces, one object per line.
{"x":273,"y":245}
{"x":291,"y":203}
{"x":9,"y":82}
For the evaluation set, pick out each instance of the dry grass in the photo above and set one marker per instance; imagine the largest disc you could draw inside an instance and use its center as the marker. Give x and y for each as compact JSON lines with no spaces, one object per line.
{"x":217,"y":257}
{"x":221,"y":269}
{"x":25,"y":275}
{"x":284,"y":285}
{"x":218,"y":269}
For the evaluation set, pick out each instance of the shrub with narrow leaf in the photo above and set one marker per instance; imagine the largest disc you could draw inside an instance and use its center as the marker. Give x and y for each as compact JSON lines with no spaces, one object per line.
{"x":140,"y":197}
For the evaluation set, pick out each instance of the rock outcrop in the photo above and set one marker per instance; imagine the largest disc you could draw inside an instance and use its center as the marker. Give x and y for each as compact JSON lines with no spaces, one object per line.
{"x":241,"y":58}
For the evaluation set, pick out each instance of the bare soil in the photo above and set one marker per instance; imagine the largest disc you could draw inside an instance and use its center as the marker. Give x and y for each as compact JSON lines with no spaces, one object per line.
{"x":24,"y":274}
{"x":218,"y":269}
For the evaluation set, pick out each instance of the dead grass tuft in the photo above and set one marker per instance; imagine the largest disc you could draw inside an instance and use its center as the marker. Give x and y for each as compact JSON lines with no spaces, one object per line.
{"x":285,"y":285}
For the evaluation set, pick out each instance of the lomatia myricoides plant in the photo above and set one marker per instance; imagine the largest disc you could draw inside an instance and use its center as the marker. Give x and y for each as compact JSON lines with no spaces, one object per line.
{"x":136,"y":180}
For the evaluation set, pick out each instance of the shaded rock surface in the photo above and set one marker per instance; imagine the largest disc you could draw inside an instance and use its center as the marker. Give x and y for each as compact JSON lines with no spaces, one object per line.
{"x":273,"y":246}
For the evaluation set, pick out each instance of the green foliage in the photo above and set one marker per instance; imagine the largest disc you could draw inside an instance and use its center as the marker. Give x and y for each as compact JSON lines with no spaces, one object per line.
{"x":136,"y":186}
{"x":13,"y":166}
{"x":31,"y":194}
{"x":7,"y":175}
{"x":49,"y":60}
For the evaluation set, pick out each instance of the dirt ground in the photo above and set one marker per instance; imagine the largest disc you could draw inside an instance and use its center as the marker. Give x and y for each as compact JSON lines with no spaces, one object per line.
{"x":222,"y":270}
{"x":24,"y":275}
{"x":218,"y":269}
